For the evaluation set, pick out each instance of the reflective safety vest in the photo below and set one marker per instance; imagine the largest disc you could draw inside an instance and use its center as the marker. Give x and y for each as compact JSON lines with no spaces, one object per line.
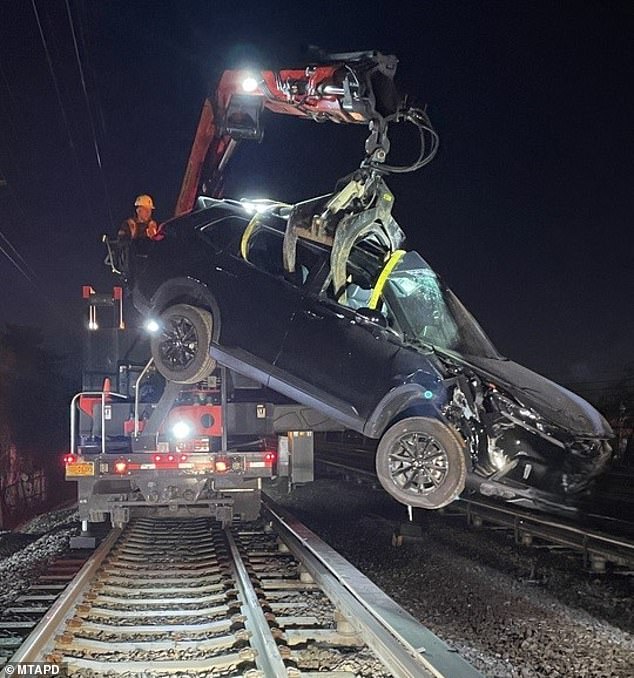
{"x":131,"y":228}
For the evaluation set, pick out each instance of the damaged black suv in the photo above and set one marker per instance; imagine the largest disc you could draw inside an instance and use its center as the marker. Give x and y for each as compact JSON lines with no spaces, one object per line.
{"x":375,"y":341}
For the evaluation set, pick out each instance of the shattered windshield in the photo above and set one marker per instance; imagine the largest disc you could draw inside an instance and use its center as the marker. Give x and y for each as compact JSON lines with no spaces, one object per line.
{"x":430,"y":313}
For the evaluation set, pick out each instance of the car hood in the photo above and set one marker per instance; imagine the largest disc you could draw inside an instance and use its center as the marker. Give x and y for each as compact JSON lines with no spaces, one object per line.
{"x":554,"y":402}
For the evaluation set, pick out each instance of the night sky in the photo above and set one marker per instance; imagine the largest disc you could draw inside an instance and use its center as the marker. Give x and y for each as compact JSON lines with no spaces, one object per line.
{"x":526,"y":212}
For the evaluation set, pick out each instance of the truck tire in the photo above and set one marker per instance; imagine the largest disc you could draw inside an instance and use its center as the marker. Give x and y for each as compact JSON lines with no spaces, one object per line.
{"x":421,"y":463}
{"x":181,"y":346}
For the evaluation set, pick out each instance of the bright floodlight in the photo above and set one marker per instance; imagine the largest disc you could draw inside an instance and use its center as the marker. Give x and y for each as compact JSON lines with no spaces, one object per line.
{"x":152,"y":326}
{"x":249,"y":84}
{"x":181,"y":430}
{"x":258,"y":205}
{"x":92,"y":325}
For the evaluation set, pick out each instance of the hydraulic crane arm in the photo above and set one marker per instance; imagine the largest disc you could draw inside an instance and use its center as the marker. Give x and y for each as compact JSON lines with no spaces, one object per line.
{"x":211,"y":148}
{"x":351,"y":88}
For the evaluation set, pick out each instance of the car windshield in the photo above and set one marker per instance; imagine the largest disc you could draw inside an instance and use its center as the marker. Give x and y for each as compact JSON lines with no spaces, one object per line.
{"x":429,"y":313}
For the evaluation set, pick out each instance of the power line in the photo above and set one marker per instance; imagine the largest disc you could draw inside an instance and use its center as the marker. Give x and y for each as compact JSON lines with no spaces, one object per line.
{"x":53,"y":76}
{"x":18,"y":255}
{"x":89,"y":67}
{"x":90,"y":117}
{"x":29,"y":268}
{"x":15,"y":263}
{"x":40,"y":288}
{"x":25,"y":269}
{"x":59,"y":96}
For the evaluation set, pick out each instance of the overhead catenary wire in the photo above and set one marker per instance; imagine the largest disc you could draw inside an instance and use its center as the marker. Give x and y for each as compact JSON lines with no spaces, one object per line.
{"x":89,"y":67}
{"x":24,"y":268}
{"x":7,"y":248}
{"x":16,"y":264}
{"x":17,"y":254}
{"x":58,"y":94}
{"x":53,"y":76}
{"x":90,"y":116}
{"x":28,"y":273}
{"x":7,"y":187}
{"x":31,"y":279}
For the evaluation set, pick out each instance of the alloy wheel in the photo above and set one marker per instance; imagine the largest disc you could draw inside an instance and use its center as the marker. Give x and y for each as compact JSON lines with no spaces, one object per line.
{"x":418,"y":463}
{"x":179,"y":343}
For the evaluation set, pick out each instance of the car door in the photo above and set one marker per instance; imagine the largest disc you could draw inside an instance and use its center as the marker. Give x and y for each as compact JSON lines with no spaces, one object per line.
{"x":340,"y":355}
{"x":256,"y":301}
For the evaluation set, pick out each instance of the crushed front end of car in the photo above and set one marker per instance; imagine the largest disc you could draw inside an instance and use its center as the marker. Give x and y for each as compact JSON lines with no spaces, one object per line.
{"x":524,"y":445}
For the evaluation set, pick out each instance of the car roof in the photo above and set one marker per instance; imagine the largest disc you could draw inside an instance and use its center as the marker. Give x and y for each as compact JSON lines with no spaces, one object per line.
{"x":207,"y":209}
{"x":272,"y":216}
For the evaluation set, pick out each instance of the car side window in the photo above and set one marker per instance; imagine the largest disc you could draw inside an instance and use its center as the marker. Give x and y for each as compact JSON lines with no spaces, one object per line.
{"x":363,"y":270}
{"x":308,"y":263}
{"x":361,"y":277}
{"x":223,"y":232}
{"x":265,"y":251}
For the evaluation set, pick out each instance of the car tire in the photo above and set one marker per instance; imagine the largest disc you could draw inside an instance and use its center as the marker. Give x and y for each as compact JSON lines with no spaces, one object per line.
{"x":421,"y":463}
{"x":181,"y":346}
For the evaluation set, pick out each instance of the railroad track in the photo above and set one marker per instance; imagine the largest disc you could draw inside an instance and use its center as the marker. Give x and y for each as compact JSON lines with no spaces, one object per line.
{"x":267,"y":599}
{"x":22,"y":615}
{"x":597,"y":547}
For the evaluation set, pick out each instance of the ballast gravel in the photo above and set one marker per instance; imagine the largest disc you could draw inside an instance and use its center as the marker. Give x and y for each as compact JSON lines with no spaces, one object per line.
{"x":40,"y":540}
{"x":511,"y":611}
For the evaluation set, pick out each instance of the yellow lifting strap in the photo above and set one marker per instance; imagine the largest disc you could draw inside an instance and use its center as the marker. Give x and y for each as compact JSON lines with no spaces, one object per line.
{"x":384,"y":275}
{"x":248,"y":232}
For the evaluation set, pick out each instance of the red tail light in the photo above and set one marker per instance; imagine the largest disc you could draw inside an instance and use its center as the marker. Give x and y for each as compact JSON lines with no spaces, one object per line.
{"x":183,"y":457}
{"x":121,"y":466}
{"x":69,"y":458}
{"x":170,"y":457}
{"x":270,"y":457}
{"x":157,"y":457}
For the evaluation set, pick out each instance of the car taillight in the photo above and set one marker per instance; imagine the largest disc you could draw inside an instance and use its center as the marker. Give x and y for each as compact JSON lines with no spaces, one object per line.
{"x":221,"y":465}
{"x":120,"y":466}
{"x":157,"y":457}
{"x":69,"y":458}
{"x":170,"y":457}
{"x":183,"y":457}
{"x":269,"y":457}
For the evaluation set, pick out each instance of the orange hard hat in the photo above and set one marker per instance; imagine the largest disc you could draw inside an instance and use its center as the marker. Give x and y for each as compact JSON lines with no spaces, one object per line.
{"x":144,"y":201}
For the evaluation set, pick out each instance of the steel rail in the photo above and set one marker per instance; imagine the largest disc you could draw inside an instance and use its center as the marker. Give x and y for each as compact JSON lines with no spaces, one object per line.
{"x":402,"y":644}
{"x":35,"y":645}
{"x":268,"y":657}
{"x":405,"y":646}
{"x":591,"y":542}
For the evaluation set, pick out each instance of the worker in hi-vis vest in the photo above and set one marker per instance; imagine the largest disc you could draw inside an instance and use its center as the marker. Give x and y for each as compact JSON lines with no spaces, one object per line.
{"x":141,"y":225}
